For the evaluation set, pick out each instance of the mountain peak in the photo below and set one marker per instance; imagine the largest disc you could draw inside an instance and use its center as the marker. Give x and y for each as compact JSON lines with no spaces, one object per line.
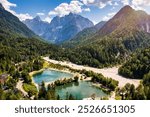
{"x":125,"y":12}
{"x":1,"y":6}
{"x":127,"y":9}
{"x":37,"y":18}
{"x":71,"y":14}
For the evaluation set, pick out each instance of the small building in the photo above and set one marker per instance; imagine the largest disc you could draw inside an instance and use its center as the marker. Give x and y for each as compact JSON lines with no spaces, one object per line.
{"x":3,"y":78}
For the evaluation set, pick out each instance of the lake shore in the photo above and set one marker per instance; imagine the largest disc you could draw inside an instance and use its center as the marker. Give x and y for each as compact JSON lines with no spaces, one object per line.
{"x":47,"y":83}
{"x":81,"y":78}
{"x":107,"y":72}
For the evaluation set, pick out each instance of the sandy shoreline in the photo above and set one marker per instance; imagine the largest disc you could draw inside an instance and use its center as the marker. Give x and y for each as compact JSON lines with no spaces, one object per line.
{"x":107,"y":72}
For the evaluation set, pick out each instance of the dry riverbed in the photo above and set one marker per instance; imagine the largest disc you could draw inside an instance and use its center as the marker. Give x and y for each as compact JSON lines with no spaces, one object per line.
{"x":107,"y":72}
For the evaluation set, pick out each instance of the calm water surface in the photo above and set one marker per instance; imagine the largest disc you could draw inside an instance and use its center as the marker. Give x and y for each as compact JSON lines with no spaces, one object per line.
{"x":50,"y":75}
{"x":78,"y":90}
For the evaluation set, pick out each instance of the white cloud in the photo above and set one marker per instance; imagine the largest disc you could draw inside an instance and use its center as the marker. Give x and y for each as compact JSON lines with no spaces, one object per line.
{"x":141,"y":2}
{"x":23,"y":17}
{"x":109,"y":15}
{"x":137,"y":4}
{"x":125,"y":2}
{"x":86,"y":2}
{"x":47,"y":19}
{"x":40,"y":14}
{"x":65,"y":8}
{"x":87,"y":9}
{"x":7,"y":5}
{"x":116,"y":4}
{"x":95,"y":22}
{"x":99,"y":3}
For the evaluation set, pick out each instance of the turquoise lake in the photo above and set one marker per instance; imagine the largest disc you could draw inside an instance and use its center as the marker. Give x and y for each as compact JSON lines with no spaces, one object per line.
{"x":78,"y":90}
{"x":50,"y":75}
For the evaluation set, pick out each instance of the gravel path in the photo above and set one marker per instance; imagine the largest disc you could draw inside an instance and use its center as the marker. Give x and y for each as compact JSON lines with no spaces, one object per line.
{"x":19,"y":87}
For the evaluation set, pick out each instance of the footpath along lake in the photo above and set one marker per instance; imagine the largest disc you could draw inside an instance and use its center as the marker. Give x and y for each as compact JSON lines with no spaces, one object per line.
{"x":80,"y":90}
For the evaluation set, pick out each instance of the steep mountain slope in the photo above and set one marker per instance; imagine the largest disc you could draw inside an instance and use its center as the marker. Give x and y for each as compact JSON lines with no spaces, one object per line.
{"x":17,"y":42}
{"x":128,"y":26}
{"x":12,"y":25}
{"x":64,"y":28}
{"x":37,"y":25}
{"x":19,"y":55}
{"x":125,"y":24}
{"x":127,"y":19}
{"x":61,"y":28}
{"x":84,"y":35}
{"x":127,"y":31}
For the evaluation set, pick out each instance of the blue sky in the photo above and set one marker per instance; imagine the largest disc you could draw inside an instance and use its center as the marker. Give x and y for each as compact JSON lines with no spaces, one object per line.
{"x":95,"y":10}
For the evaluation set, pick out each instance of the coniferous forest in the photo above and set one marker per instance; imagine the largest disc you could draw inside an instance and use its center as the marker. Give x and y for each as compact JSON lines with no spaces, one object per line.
{"x":119,"y":41}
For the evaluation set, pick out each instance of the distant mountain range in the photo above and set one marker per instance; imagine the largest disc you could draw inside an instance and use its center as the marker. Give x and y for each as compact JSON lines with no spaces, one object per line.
{"x":37,"y":25}
{"x":84,"y":35}
{"x":106,"y":43}
{"x":60,"y":29}
{"x":124,"y":25}
{"x":127,"y":31}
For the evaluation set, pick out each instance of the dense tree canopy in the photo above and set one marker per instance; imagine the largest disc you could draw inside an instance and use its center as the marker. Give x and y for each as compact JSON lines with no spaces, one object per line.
{"x":137,"y":66}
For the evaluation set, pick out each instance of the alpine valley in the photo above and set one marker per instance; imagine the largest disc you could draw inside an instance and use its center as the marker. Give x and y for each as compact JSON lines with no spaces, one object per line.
{"x":70,"y":58}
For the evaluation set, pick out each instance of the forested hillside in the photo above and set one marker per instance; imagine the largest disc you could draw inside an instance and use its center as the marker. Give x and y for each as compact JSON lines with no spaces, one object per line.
{"x":10,"y":24}
{"x":105,"y":51}
{"x":137,"y":66}
{"x":113,"y":43}
{"x":20,"y":53}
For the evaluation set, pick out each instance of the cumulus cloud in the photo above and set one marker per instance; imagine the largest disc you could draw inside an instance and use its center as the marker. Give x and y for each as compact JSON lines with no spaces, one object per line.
{"x":7,"y":5}
{"x":99,"y":3}
{"x":40,"y":14}
{"x":47,"y":19}
{"x":87,"y":9}
{"x":125,"y":2}
{"x":23,"y":17}
{"x":137,"y":4}
{"x":141,"y":2}
{"x":74,"y":6}
{"x":65,"y":8}
{"x":88,"y":1}
{"x":78,"y":6}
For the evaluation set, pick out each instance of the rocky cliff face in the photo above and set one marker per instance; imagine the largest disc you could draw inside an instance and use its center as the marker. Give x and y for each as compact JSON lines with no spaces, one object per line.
{"x":60,"y":29}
